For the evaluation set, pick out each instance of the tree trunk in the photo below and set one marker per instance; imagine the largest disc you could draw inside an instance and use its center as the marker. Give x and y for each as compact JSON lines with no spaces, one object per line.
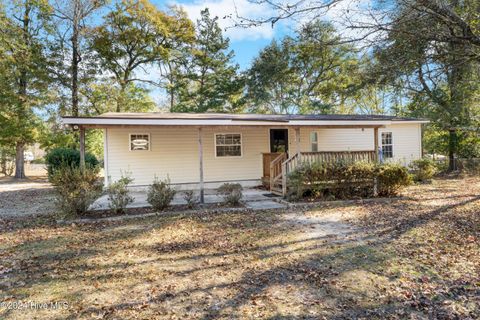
{"x":452,"y":150}
{"x":23,"y":79}
{"x":19,"y":161}
{"x":75,"y":62}
{"x":172,"y":99}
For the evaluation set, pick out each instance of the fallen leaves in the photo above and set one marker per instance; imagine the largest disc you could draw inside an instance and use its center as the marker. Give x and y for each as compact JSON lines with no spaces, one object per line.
{"x":419,"y":257}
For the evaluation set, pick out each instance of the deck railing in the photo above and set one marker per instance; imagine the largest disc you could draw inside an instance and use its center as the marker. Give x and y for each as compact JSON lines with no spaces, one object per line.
{"x":334,"y":156}
{"x":276,"y":172}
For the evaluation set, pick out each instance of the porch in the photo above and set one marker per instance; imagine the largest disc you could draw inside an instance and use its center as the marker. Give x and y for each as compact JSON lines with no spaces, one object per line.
{"x":204,"y":151}
{"x":192,"y":159}
{"x":278,"y":165}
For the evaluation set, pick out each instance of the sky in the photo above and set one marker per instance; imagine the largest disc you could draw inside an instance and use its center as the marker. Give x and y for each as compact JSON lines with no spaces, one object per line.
{"x":245,"y":42}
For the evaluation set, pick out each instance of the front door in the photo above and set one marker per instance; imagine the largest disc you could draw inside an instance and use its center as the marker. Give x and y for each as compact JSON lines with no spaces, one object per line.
{"x":278,"y":140}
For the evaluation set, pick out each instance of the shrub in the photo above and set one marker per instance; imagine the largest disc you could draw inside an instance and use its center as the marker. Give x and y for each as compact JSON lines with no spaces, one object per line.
{"x":190,"y":198}
{"x":61,"y":157}
{"x":231,"y":193}
{"x":331,"y":179}
{"x":344,"y":180}
{"x":392,"y":178}
{"x":423,"y":169}
{"x":75,"y":189}
{"x":160,"y":194}
{"x":118,"y":194}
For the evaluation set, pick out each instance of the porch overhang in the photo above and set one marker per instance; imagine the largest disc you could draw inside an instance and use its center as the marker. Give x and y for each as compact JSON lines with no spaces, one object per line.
{"x":105,"y":122}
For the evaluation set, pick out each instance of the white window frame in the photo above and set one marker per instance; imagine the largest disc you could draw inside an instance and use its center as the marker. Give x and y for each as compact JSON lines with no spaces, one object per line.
{"x":224,"y":133}
{"x":391,"y":144}
{"x":313,"y":142}
{"x":139,"y":133}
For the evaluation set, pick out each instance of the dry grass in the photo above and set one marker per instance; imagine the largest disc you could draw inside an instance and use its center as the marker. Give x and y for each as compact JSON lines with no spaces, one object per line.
{"x":414,"y":257}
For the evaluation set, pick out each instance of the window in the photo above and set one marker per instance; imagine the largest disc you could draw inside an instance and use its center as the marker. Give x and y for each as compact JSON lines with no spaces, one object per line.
{"x":314,"y":141}
{"x":387,"y":145}
{"x":139,"y":141}
{"x":228,"y":145}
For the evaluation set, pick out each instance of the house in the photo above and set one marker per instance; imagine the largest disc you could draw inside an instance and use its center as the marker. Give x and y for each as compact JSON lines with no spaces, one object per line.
{"x":206,"y":150}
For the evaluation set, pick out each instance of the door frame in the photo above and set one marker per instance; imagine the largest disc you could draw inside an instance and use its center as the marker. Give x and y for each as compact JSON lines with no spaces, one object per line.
{"x":271,"y":140}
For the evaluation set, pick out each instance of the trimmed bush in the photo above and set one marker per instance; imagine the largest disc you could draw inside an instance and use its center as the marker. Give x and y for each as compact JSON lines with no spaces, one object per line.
{"x":231,"y":193}
{"x":392,"y":178}
{"x":342,"y":180}
{"x":423,"y":169}
{"x":331,"y":180}
{"x":61,"y":157}
{"x":118,"y":195}
{"x":75,"y":189}
{"x":191,"y":199}
{"x":160,"y":194}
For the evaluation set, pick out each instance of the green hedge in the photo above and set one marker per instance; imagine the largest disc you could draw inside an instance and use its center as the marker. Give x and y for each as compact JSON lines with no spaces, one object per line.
{"x":344,"y":180}
{"x":62,"y":157}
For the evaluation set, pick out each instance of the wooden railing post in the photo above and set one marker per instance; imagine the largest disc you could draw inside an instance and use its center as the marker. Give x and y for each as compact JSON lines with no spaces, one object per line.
{"x":284,"y":179}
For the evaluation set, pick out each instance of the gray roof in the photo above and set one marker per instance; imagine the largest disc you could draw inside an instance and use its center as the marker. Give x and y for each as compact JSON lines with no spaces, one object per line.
{"x":249,"y":116}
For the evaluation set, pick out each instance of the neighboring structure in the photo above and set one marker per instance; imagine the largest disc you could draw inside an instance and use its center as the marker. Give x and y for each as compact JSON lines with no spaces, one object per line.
{"x":206,"y":150}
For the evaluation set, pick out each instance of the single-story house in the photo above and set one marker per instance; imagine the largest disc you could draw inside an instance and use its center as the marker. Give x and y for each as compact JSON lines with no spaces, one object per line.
{"x":207,"y":150}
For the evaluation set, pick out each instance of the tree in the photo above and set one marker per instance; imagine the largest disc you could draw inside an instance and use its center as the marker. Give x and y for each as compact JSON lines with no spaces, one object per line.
{"x":136,"y":35}
{"x":270,"y":80}
{"x":441,"y":79}
{"x":381,"y":17}
{"x":23,"y":74}
{"x":72,"y":16}
{"x":208,"y":80}
{"x":308,"y":72}
{"x":102,"y":96}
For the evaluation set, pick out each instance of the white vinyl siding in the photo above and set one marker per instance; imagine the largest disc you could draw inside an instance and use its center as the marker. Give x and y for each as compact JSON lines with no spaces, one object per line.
{"x":407,"y":142}
{"x":174,"y":153}
{"x":174,"y":150}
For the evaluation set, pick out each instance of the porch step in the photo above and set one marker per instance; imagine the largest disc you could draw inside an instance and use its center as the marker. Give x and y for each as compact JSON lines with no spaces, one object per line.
{"x":277,"y":191}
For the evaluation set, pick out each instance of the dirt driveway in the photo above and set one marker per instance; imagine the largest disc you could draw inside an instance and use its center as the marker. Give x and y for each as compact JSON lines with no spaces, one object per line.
{"x":29,"y":197}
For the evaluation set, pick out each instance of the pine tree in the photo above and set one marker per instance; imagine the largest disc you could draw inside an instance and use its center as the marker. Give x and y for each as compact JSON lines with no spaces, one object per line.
{"x":210,"y":81}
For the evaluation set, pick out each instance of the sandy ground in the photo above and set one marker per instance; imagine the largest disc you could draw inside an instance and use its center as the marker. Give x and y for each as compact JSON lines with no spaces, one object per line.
{"x":412,"y":257}
{"x":22,"y":198}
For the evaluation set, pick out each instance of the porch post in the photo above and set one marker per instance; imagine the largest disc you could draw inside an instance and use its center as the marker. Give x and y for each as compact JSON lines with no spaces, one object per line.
{"x":200,"y":160}
{"x":297,"y":141}
{"x":82,"y":147}
{"x":375,"y":143}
